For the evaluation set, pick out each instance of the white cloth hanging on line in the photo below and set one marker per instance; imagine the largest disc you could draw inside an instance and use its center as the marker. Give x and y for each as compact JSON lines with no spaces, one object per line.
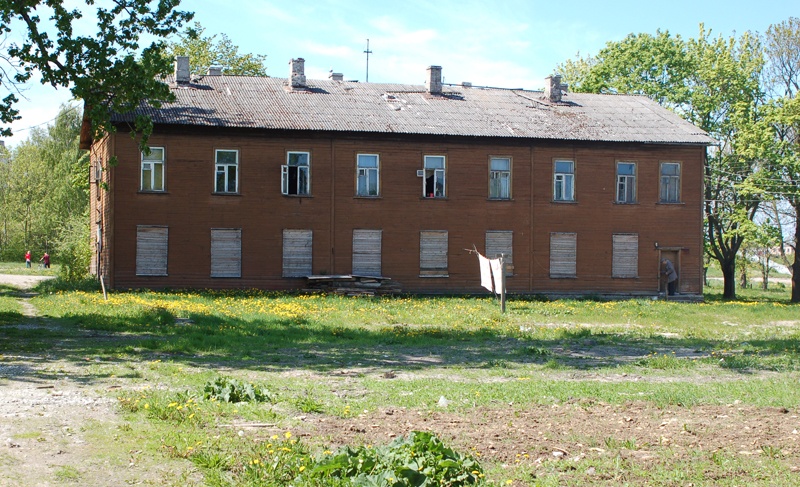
{"x":486,"y":272}
{"x":497,"y":275}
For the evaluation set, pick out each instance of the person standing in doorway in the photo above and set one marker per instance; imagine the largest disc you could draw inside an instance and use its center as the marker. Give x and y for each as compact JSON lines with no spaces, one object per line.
{"x":28,"y":258}
{"x":672,"y":276}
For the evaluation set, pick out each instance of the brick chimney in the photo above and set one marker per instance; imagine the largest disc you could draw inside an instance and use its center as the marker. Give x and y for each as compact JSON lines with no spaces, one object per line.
{"x":553,"y":88}
{"x":297,"y":73}
{"x":182,"y":72}
{"x":214,"y":71}
{"x":336,"y":76}
{"x":433,"y":83}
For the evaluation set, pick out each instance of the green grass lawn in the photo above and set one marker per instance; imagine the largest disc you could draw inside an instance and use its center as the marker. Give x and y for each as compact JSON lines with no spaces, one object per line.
{"x":19,"y":268}
{"x":350,"y":361}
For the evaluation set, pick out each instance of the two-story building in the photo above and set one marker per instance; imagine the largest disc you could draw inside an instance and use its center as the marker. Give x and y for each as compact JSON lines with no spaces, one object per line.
{"x":254,"y":182}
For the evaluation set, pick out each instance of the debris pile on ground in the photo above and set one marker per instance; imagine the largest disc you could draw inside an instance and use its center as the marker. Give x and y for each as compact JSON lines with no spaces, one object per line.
{"x":352,"y":285}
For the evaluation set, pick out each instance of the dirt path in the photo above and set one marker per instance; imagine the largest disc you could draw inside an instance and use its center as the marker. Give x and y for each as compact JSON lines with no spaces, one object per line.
{"x":22,"y":282}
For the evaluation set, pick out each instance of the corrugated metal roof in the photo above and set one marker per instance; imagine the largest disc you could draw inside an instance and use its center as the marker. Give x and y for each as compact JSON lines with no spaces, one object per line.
{"x":342,"y":106}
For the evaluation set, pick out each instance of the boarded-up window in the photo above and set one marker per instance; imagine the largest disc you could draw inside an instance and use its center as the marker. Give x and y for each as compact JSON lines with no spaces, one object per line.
{"x":433,"y":253}
{"x":151,"y":250}
{"x":625,"y":255}
{"x":500,"y":242}
{"x":226,"y":252}
{"x":367,"y":252}
{"x":563,"y":252}
{"x":297,"y":253}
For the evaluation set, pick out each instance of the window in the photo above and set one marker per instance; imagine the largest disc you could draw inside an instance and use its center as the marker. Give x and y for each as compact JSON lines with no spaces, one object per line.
{"x":226,"y":252}
{"x":227,"y":173}
{"x":151,"y":250}
{"x":297,"y":256}
{"x":152,"y":170}
{"x":295,"y":175}
{"x":433,"y":182}
{"x":367,"y":175}
{"x":433,"y":253}
{"x":670,"y":182}
{"x":501,"y":242}
{"x":367,"y":252}
{"x":626,"y":182}
{"x":500,"y":178}
{"x":625,"y":259}
{"x":563,"y":255}
{"x":564,"y":181}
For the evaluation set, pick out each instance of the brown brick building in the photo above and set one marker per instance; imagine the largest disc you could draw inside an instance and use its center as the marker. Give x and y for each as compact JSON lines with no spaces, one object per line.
{"x":259,"y":182}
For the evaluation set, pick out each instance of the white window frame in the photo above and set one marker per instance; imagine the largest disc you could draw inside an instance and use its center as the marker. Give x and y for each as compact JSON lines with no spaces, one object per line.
{"x":563,"y":255}
{"x":625,"y":255}
{"x":226,"y":252}
{"x":367,"y":252}
{"x":298,"y":172}
{"x":563,"y":181}
{"x":433,"y":246}
{"x":439,"y":174}
{"x":669,"y":189}
{"x":499,"y":179}
{"x":501,"y":242}
{"x":152,"y":248}
{"x":298,"y":259}
{"x":154,"y":165}
{"x":228,"y":170}
{"x":367,"y":174}
{"x":626,"y":184}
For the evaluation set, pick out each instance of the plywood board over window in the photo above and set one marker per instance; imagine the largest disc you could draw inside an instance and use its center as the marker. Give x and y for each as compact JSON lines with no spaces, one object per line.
{"x":297,"y":253}
{"x":226,"y":252}
{"x":500,"y":242}
{"x":151,"y":250}
{"x":433,"y":253}
{"x":625,"y":255}
{"x":367,"y":252}
{"x":563,"y":254}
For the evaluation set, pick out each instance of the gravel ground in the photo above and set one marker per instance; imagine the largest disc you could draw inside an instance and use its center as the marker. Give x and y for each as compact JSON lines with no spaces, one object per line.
{"x":22,"y":282}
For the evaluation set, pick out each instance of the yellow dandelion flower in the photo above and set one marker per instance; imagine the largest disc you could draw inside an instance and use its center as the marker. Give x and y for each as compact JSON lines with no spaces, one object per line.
{"x":288,"y":434}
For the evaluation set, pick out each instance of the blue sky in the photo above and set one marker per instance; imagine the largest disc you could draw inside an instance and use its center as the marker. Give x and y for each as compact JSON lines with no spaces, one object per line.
{"x":512,"y":44}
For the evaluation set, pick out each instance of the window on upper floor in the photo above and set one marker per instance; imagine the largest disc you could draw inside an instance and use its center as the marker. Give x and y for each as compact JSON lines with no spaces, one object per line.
{"x":433,"y":182}
{"x":367,"y":175}
{"x":626,"y":182}
{"x":152,"y":170}
{"x":296,"y":174}
{"x":226,"y":178}
{"x":670,"y":191}
{"x":500,"y":178}
{"x":564,"y":180}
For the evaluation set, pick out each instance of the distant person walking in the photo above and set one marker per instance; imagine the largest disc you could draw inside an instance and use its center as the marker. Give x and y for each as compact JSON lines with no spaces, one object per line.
{"x":28,"y":258}
{"x":45,"y":260}
{"x":672,"y":276}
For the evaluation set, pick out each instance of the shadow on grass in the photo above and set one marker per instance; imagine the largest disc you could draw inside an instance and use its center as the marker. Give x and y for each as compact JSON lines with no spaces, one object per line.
{"x":297,"y":343}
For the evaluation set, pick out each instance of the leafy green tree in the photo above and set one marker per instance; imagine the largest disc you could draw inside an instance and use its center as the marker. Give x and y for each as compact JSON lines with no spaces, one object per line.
{"x":711,"y":82}
{"x":207,"y":51}
{"x":112,"y":70}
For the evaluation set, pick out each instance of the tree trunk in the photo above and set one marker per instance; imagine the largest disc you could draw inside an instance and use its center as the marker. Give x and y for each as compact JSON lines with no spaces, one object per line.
{"x":729,"y":278}
{"x":796,"y":264}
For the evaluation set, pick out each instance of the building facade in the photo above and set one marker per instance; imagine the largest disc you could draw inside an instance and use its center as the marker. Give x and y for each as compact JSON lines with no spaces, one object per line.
{"x":261,"y":182}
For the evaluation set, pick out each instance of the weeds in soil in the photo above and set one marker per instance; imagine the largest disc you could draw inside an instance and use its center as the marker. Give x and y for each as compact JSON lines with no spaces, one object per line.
{"x":285,"y":357}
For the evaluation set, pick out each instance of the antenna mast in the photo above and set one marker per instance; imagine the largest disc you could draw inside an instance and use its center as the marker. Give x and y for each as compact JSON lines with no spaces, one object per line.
{"x":367,"y":52}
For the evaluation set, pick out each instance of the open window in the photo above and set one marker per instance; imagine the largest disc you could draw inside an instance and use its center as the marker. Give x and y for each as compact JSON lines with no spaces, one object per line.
{"x":433,"y":182}
{"x":296,"y":174}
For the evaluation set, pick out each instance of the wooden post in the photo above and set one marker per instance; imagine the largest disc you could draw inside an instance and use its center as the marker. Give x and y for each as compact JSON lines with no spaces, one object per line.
{"x":503,"y":283}
{"x":103,"y":285}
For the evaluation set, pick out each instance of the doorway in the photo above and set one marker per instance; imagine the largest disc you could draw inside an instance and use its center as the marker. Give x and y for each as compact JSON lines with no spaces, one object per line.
{"x":674,"y":256}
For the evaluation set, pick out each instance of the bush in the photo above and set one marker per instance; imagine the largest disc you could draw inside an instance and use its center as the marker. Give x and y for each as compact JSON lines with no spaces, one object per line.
{"x":73,"y":249}
{"x":231,"y":390}
{"x":419,"y":459}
